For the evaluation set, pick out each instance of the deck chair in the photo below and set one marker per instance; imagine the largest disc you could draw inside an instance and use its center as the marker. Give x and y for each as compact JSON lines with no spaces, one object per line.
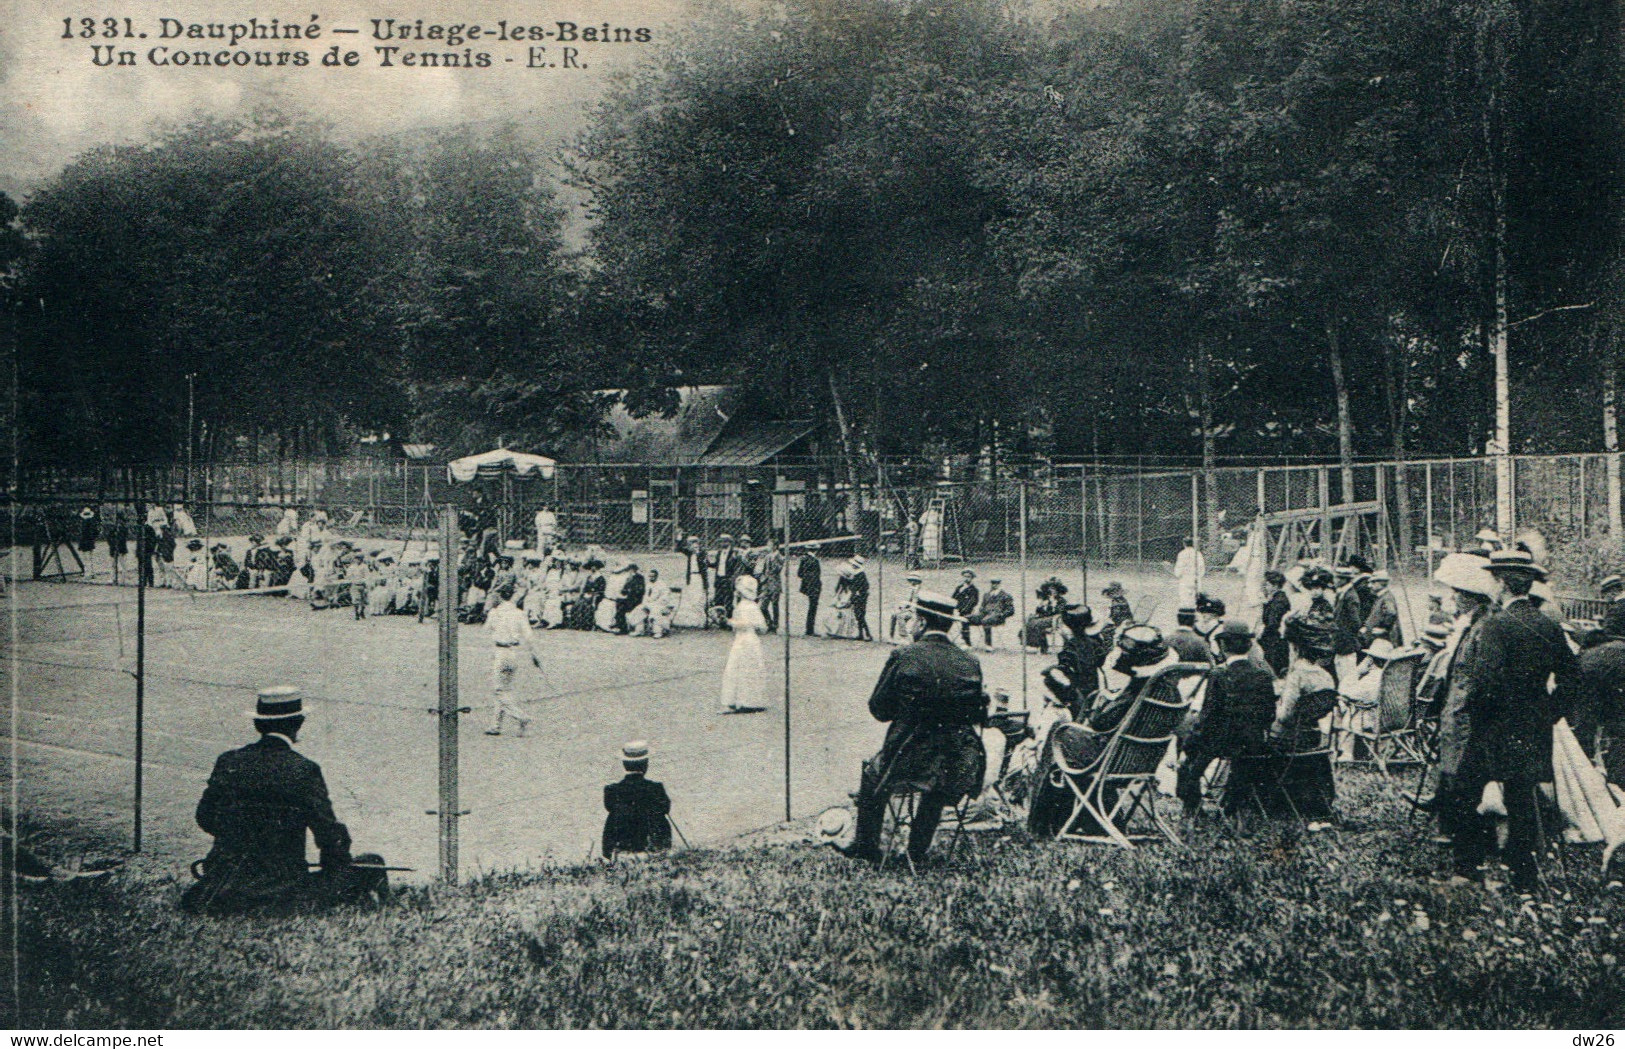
{"x":1120,"y":785}
{"x":1394,"y":740}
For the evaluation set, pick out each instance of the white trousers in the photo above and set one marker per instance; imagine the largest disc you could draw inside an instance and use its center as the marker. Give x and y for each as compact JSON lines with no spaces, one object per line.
{"x":504,"y":665}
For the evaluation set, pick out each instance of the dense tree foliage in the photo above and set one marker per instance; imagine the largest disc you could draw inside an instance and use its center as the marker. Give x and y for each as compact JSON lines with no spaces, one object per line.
{"x":1150,"y":227}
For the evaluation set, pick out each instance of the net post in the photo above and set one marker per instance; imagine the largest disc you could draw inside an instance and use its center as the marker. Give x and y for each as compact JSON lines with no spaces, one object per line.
{"x":1021,"y":636}
{"x":141,"y":554}
{"x":784,"y":624}
{"x":447,"y":623}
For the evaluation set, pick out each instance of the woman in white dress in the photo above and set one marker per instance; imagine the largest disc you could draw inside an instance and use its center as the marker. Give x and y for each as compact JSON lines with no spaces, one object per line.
{"x":744,"y":681}
{"x":691,"y":608}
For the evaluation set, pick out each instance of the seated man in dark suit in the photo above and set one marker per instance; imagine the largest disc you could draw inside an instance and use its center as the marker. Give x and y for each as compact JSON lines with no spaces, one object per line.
{"x":1235,"y":718}
{"x":259,"y":802}
{"x":931,"y":693}
{"x":637,"y":807}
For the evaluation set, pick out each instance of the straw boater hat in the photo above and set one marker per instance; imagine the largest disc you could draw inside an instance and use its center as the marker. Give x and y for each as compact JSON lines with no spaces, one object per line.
{"x":857,"y":562}
{"x":1515,"y":561}
{"x":1437,"y":633}
{"x":1611,"y":583}
{"x":87,"y":513}
{"x":635,"y":755}
{"x":913,"y":577}
{"x":937,"y":605}
{"x":277,"y":703}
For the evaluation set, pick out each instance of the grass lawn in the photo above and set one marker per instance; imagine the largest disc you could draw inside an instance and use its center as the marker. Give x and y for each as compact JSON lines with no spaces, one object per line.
{"x":1275,"y":928}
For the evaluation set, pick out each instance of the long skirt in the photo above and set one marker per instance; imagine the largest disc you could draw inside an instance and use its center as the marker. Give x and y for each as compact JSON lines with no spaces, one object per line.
{"x":744,"y":680}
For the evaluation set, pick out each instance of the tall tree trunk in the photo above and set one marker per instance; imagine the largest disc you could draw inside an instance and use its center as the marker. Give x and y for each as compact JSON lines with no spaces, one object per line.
{"x":1204,"y":383}
{"x":1396,"y":387}
{"x":1610,"y":433}
{"x":1345,"y":422}
{"x":846,"y":444}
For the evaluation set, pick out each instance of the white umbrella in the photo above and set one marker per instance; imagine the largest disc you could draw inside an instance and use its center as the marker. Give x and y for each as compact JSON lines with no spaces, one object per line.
{"x":498,"y":462}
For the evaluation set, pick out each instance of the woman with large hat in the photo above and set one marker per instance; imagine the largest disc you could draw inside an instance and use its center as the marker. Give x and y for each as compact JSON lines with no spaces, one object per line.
{"x":744,"y":681}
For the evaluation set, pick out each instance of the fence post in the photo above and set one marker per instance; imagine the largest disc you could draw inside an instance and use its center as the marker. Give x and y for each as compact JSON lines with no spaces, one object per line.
{"x":1427,"y":481}
{"x":449,"y":710}
{"x":1021,"y":629}
{"x":1323,"y":498}
{"x":141,"y":554}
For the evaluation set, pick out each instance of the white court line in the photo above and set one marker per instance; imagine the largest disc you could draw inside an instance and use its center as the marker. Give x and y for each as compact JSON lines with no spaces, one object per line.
{"x":103,"y":755}
{"x":120,"y":725}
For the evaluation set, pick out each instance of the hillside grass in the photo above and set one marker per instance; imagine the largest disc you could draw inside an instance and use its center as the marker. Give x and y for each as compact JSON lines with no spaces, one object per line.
{"x":1277,"y":928}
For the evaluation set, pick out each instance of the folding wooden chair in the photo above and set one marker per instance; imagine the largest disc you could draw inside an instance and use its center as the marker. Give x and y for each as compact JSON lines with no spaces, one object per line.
{"x":1120,"y":785}
{"x":901,"y":806}
{"x":1394,"y":740}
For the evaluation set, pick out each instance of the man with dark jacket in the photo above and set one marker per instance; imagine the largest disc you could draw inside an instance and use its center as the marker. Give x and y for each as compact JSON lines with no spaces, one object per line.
{"x":258,"y":805}
{"x":810,"y":571}
{"x":1235,"y":718}
{"x":966,"y":598}
{"x":632,"y":593}
{"x":1273,"y":616}
{"x":998,"y":608}
{"x":1510,"y":717}
{"x":931,"y":693}
{"x":638,"y":807}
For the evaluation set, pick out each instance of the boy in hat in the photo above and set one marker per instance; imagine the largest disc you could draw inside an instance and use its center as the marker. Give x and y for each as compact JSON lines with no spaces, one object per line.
{"x":511,"y":636}
{"x":931,"y":693}
{"x":258,"y":805}
{"x":638,"y":807}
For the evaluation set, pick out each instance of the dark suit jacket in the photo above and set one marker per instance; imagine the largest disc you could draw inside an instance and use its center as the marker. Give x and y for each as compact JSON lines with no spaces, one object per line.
{"x":811,"y":573}
{"x":637,"y":810}
{"x":931,"y":692}
{"x":1509,"y":710}
{"x":966,"y":597}
{"x":1349,"y":618}
{"x":1236,"y":712}
{"x":1614,"y":620}
{"x":632,"y":593}
{"x":259,"y":802}
{"x":1191,"y":646}
{"x":997,"y":607}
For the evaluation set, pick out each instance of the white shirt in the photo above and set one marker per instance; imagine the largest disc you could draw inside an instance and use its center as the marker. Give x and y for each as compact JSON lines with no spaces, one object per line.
{"x":183,"y":522}
{"x":1190,"y":564}
{"x":509,"y":625}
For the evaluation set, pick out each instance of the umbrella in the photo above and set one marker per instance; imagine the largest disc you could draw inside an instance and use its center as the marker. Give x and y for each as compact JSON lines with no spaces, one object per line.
{"x":500,"y":461}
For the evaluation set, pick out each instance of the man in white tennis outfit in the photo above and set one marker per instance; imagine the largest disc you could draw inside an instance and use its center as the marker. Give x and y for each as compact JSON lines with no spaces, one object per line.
{"x":512,"y":637}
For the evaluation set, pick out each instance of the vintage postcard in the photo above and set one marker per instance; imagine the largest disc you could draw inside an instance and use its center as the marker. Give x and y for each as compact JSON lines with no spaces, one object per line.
{"x":833,"y":514}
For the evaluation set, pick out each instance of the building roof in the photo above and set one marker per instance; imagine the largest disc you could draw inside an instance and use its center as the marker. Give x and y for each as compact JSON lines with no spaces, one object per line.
{"x":704,"y":431}
{"x":749,"y":443}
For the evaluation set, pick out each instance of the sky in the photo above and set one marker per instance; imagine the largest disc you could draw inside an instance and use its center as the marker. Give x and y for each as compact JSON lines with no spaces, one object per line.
{"x":55,"y":103}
